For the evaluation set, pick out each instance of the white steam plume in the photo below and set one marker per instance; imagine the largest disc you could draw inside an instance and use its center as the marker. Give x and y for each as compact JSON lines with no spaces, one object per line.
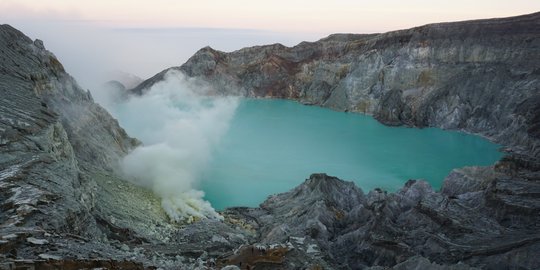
{"x":179,"y":126}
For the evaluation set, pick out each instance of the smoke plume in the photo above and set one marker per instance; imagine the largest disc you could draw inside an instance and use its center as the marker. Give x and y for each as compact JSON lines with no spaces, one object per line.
{"x":179,"y":126}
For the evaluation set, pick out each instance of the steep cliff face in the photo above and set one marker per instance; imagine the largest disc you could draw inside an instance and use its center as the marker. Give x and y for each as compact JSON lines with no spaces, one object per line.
{"x":473,"y":75}
{"x":62,"y":202}
{"x":38,"y":163}
{"x":54,"y":140}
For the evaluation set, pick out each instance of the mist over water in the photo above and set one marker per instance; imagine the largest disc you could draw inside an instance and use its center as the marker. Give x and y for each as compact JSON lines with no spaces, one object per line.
{"x":179,"y":127}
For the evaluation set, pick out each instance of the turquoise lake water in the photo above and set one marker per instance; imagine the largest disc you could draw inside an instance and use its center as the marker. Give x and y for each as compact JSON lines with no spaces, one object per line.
{"x":274,"y":145}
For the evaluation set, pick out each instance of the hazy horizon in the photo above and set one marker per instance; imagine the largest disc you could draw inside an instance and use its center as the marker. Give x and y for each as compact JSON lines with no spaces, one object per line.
{"x":93,"y":38}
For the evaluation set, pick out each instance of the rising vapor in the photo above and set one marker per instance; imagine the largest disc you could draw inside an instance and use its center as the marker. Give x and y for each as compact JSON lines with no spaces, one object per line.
{"x":179,"y":126}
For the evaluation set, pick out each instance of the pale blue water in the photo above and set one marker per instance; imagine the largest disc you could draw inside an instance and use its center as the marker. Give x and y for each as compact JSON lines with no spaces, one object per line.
{"x":274,"y":145}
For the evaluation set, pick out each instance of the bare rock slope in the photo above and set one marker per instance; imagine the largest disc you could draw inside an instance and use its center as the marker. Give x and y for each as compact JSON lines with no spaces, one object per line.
{"x":59,"y":196}
{"x":63,"y":203}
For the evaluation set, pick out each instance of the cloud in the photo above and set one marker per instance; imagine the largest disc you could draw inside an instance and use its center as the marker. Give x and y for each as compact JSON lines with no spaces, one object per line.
{"x":180,"y":126}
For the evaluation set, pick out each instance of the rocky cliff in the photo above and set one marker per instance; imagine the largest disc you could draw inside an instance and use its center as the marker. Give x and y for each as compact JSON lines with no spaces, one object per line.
{"x":53,"y":134}
{"x":480,"y":76}
{"x":59,"y":193}
{"x":63,"y":205}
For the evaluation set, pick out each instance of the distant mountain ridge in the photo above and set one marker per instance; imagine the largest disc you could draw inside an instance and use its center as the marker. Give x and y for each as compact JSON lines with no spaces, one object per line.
{"x":480,"y":76}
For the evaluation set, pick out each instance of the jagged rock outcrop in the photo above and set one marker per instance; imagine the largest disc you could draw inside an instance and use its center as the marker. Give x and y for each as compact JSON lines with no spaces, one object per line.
{"x":52,"y":137}
{"x":51,"y":131}
{"x":479,"y":76}
{"x":463,"y":226}
{"x":62,"y":202}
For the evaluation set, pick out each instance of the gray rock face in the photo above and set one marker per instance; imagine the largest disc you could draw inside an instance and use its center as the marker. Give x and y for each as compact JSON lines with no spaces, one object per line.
{"x":52,"y":136}
{"x":415,"y":228}
{"x":38,"y":159}
{"x":479,"y":76}
{"x":53,"y":141}
{"x":62,"y":202}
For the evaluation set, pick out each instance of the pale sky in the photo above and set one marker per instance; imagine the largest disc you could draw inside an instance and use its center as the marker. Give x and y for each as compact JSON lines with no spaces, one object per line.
{"x":144,"y":37}
{"x":276,"y":15}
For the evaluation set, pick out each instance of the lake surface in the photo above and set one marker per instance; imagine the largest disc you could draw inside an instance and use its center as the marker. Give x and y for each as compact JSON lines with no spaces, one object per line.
{"x":274,"y":145}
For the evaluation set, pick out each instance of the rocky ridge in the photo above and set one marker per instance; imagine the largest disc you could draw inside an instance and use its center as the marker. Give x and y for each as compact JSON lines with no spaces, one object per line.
{"x":478,"y":76}
{"x":59,"y":189}
{"x":488,"y":228}
{"x":64,"y":205}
